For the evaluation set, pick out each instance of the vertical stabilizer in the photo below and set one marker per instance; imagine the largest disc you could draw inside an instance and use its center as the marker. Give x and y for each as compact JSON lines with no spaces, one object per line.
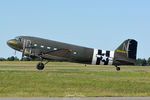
{"x":125,"y":54}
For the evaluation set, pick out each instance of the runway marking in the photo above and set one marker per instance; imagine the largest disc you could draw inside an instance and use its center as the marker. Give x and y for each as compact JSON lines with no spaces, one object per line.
{"x":76,"y":70}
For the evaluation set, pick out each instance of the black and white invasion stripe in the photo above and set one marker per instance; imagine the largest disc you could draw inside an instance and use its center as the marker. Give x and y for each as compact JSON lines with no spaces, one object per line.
{"x":102,"y":57}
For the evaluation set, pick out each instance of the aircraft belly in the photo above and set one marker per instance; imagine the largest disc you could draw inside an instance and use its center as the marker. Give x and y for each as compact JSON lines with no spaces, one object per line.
{"x":47,"y":56}
{"x":102,"y":57}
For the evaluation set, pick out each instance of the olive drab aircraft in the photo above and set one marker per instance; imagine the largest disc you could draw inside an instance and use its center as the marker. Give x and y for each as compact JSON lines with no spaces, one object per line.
{"x":33,"y":47}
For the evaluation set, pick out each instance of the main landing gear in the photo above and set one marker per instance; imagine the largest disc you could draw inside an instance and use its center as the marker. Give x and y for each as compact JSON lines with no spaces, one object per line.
{"x":40,"y":65}
{"x":117,"y":68}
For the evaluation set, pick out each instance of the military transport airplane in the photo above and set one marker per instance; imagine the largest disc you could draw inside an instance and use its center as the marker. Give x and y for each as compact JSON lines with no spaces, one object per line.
{"x":33,"y":47}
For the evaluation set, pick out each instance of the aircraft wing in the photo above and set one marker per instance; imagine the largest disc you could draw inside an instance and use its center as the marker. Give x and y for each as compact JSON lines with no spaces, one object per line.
{"x":61,"y":54}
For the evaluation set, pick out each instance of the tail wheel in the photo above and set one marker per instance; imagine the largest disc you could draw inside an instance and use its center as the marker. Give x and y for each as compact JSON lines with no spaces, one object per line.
{"x":117,"y":68}
{"x":40,"y":66}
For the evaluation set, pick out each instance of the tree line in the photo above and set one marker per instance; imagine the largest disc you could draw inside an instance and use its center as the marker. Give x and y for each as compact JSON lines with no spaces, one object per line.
{"x":143,"y":62}
{"x":139,"y":61}
{"x":14,"y":58}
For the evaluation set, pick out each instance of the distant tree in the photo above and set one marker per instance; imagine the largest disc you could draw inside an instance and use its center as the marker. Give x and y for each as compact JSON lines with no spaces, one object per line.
{"x":144,"y":62}
{"x":2,"y":59}
{"x":26,"y":59}
{"x":12,"y":58}
{"x":148,"y":61}
{"x":139,"y":62}
{"x":16,"y":59}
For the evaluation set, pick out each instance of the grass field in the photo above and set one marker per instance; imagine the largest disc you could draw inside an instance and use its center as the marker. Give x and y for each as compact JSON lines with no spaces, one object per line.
{"x":63,"y":79}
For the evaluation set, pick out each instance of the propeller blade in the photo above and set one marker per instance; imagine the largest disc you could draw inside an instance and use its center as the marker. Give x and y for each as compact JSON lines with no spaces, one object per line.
{"x":15,"y":52}
{"x":22,"y":54}
{"x":23,"y":51}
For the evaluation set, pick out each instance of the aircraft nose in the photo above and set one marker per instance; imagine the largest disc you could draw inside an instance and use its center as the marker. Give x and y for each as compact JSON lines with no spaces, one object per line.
{"x":12,"y":42}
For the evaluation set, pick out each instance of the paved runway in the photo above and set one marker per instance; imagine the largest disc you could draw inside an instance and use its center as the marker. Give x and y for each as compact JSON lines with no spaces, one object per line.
{"x":85,"y":98}
{"x":66,"y":70}
{"x":46,"y":65}
{"x":18,"y":70}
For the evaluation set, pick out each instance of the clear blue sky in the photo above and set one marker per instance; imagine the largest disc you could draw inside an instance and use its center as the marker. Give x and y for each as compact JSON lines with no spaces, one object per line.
{"x":102,"y":24}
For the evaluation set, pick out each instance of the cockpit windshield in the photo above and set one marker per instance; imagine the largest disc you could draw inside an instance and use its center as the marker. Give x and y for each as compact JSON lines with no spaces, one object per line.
{"x":18,"y":39}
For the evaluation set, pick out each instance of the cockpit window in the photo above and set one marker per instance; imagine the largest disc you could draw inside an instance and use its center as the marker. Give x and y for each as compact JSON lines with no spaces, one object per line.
{"x":18,"y":39}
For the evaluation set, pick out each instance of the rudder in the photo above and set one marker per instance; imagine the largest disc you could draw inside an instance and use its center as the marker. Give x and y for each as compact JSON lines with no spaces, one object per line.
{"x":125,"y":54}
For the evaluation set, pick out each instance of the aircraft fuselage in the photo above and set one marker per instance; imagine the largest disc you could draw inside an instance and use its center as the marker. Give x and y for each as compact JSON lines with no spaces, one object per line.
{"x":125,"y":54}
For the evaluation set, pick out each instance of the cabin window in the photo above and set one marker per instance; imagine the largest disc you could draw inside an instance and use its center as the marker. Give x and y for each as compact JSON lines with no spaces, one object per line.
{"x":55,"y":48}
{"x":42,"y":46}
{"x":35,"y":45}
{"x":74,"y":52}
{"x":48,"y":47}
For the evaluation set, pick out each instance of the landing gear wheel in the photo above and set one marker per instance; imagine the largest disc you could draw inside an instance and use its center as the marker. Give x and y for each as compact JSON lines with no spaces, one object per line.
{"x":118,"y":68}
{"x":40,"y":66}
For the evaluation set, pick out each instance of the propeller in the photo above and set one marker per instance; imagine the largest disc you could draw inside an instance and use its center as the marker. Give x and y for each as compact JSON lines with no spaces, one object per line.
{"x":25,"y":46}
{"x":23,"y":50}
{"x":15,"y":53}
{"x":22,"y":53}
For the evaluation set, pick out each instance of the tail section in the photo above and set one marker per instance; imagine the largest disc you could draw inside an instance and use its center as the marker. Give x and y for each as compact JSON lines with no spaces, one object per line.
{"x":125,"y":54}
